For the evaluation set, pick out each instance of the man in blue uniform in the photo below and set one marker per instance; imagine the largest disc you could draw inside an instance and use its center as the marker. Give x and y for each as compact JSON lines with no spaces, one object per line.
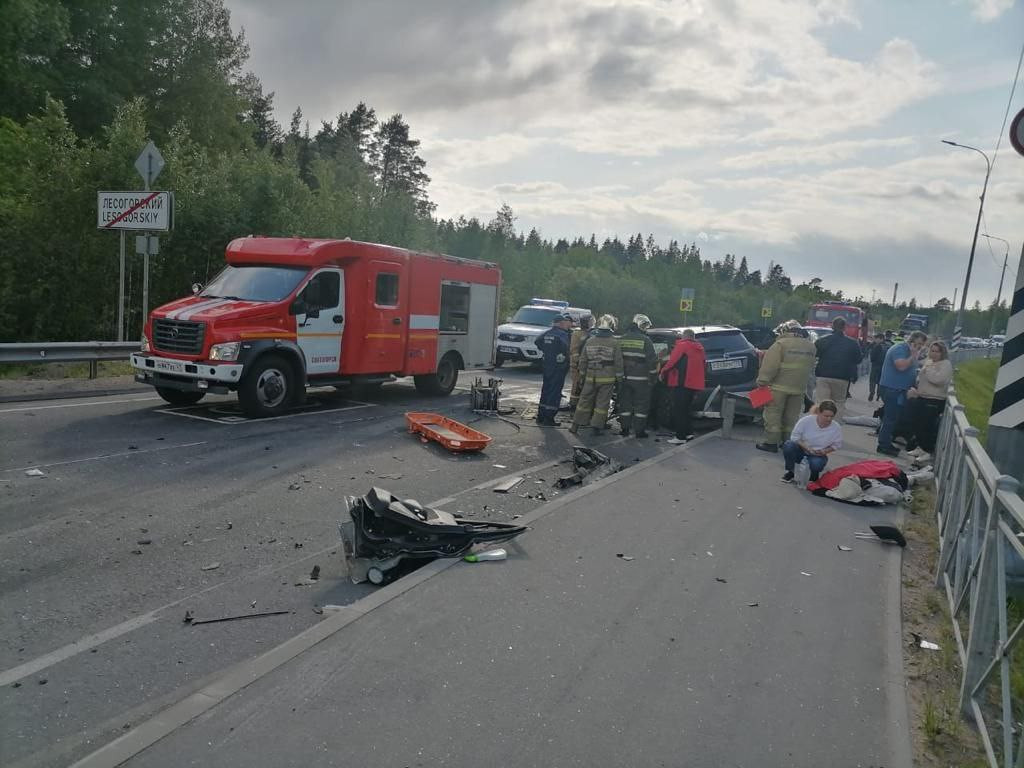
{"x":554,"y":343}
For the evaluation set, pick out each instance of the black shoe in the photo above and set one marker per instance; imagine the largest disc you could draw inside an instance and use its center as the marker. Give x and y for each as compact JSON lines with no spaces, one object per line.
{"x":889,"y":450}
{"x":813,"y":478}
{"x":641,"y":435}
{"x":787,"y":478}
{"x":769,"y":447}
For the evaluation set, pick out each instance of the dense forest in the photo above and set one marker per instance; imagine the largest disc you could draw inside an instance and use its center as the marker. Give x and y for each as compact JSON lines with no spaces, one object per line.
{"x":85,"y":84}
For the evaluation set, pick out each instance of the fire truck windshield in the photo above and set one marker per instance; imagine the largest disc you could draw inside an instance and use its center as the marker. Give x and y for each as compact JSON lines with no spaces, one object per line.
{"x":254,"y":283}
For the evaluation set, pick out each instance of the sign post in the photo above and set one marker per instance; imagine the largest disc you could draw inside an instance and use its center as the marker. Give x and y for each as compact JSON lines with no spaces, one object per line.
{"x":686,"y":302}
{"x":146,"y":211}
{"x":1006,"y":422}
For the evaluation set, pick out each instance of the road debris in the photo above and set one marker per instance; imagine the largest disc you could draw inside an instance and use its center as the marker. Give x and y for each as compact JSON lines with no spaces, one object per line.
{"x":196,"y":622}
{"x":499,"y":466}
{"x":720,"y":580}
{"x":294,"y":487}
{"x":806,"y":573}
{"x":390,"y":477}
{"x":844,"y":548}
{"x":627,"y":558}
{"x":211,"y":567}
{"x":590,"y":465}
{"x":930,"y":646}
{"x":752,"y":605}
{"x":136,"y":551}
{"x":883,"y":532}
{"x":188,"y":617}
{"x":508,"y":485}
{"x":144,"y":542}
{"x":315,"y":573}
{"x":34,"y":473}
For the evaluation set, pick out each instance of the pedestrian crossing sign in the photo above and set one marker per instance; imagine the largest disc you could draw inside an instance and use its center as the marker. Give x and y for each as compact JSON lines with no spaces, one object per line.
{"x":686,"y":305}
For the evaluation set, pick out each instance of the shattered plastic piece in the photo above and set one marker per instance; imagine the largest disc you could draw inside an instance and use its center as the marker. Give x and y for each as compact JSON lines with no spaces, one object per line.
{"x":590,"y":465}
{"x":188,"y":617}
{"x":805,"y":573}
{"x":315,"y":573}
{"x":499,"y":466}
{"x":752,"y":605}
{"x":889,"y":534}
{"x":508,"y":485}
{"x":709,"y":553}
{"x":843,"y":548}
{"x":624,"y":556}
{"x":721,"y":580}
{"x":481,"y":557}
{"x":136,"y":551}
{"x":34,"y":473}
{"x":318,"y":610}
{"x":211,"y":567}
{"x":144,"y":541}
{"x":929,"y":646}
{"x":333,"y":608}
{"x":294,"y":487}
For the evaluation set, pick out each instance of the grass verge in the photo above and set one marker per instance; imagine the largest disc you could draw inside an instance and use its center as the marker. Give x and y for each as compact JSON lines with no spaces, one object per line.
{"x":48,"y":371}
{"x":975,"y":382}
{"x":941,"y":736}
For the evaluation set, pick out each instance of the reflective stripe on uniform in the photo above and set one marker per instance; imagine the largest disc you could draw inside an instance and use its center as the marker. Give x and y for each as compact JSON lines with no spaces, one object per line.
{"x":636,"y":378}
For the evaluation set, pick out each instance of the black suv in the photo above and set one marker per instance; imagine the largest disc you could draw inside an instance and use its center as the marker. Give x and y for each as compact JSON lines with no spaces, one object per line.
{"x":731,"y":362}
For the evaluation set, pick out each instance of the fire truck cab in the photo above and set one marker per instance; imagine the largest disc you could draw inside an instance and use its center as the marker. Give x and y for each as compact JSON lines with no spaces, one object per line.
{"x":287,"y":313}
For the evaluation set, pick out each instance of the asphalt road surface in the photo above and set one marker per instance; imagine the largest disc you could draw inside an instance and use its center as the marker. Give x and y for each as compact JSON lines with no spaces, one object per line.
{"x":144,"y":512}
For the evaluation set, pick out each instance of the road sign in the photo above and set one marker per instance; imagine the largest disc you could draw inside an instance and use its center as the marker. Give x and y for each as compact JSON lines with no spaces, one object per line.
{"x":134,"y":210}
{"x":766,"y":311}
{"x":1017,"y":132}
{"x":149,"y":164}
{"x":686,"y":305}
{"x":147,"y":245}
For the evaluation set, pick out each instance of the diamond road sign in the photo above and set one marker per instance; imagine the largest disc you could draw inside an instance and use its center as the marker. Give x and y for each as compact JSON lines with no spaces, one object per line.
{"x":149,"y":164}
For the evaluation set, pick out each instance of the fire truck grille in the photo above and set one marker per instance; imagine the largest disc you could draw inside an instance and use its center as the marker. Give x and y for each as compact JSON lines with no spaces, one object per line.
{"x":178,"y":336}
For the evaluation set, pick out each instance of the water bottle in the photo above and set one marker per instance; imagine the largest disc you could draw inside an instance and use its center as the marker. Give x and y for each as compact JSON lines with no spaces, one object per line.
{"x":481,"y":557}
{"x":802,"y":474}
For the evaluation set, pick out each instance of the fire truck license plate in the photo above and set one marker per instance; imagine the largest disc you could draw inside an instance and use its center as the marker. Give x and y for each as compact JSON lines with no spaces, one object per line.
{"x":169,"y":365}
{"x":725,"y":365}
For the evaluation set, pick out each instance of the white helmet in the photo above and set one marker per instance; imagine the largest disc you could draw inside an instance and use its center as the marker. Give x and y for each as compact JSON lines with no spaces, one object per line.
{"x":607,"y":322}
{"x":790,"y":326}
{"x":643,"y":322}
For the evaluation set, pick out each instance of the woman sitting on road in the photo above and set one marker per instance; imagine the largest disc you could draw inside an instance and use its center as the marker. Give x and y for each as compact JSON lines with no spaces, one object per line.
{"x":928,"y":400}
{"x":814,"y":437}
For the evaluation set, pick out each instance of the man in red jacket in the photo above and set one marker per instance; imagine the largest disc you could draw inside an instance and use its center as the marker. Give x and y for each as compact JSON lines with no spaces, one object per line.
{"x":683,"y":373}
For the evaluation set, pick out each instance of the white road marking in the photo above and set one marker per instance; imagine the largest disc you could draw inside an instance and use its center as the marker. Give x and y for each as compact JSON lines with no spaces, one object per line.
{"x":98,"y":401}
{"x":105,"y":456}
{"x":232,"y":420}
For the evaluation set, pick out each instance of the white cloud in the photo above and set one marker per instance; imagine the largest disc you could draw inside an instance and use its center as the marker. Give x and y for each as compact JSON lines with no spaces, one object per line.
{"x":989,"y":10}
{"x":811,"y":154}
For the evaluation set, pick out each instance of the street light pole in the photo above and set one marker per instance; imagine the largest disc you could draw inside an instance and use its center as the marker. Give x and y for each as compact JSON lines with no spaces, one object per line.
{"x":958,"y":329}
{"x":999,"y":294}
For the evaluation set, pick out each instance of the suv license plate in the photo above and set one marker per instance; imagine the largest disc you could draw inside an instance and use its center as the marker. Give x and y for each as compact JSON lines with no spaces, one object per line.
{"x":169,"y":365}
{"x":726,"y":365}
{"x":511,"y":350}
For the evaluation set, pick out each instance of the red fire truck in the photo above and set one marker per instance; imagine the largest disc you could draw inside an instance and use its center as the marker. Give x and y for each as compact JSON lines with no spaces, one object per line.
{"x":858,"y":326}
{"x":286,"y":313}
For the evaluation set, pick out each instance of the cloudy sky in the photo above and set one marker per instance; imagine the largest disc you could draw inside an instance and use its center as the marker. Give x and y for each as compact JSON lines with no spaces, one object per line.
{"x":802,"y":131}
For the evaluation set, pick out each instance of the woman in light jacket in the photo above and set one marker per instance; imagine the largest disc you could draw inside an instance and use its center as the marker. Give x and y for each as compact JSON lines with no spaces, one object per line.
{"x":929,"y":399}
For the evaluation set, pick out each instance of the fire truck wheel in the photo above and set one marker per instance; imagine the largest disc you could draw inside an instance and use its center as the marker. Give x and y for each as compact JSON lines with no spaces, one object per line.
{"x":177,"y":397}
{"x":268,"y":387}
{"x":442,"y":382}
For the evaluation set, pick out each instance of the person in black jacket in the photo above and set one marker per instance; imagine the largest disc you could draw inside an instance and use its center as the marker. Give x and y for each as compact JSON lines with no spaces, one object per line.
{"x":554,"y":343}
{"x":838,"y":358}
{"x":877,"y":354}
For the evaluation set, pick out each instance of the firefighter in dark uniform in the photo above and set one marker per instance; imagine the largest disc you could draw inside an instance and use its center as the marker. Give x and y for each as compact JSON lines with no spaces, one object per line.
{"x":640,"y":367}
{"x":554,"y":343}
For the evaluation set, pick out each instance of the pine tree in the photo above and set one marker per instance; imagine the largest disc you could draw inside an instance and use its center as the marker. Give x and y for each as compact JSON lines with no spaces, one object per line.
{"x":742,"y":273}
{"x":399,"y":168}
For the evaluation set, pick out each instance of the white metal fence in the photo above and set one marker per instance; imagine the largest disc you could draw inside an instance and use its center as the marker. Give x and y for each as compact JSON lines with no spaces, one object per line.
{"x":981,"y":522}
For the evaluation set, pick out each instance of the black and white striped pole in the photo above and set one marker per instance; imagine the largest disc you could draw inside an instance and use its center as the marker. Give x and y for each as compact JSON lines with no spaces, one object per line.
{"x":1006,"y":423}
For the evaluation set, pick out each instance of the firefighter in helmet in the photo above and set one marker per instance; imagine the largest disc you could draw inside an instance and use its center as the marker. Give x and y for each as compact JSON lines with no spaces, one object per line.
{"x":600,"y":367}
{"x":785,"y":368}
{"x":640,"y":368}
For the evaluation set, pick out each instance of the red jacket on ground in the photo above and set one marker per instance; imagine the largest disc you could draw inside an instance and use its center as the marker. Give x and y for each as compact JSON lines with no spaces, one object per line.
{"x":694,"y":353}
{"x":875,"y":469}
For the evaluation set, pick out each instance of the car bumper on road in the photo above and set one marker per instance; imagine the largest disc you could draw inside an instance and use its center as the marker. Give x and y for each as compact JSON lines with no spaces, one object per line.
{"x":184,"y":375}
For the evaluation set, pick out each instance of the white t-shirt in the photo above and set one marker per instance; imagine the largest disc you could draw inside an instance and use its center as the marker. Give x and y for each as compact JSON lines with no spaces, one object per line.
{"x":808,"y":432}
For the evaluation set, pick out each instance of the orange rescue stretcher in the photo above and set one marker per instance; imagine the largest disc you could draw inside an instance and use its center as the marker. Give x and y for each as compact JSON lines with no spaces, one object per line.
{"x":452,"y":434}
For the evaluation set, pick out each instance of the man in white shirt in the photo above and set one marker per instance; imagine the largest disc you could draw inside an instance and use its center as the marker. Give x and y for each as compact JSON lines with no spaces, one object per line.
{"x":814,"y":437}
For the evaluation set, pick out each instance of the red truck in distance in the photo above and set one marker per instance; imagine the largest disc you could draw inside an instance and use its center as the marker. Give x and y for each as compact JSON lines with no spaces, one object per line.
{"x":858,"y":326}
{"x":287,"y":313}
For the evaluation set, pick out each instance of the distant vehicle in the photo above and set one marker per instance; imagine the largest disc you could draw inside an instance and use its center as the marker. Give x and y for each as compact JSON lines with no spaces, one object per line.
{"x":858,"y":326}
{"x":998,"y":339}
{"x":914,"y":322}
{"x":287,"y":313}
{"x":516,"y":339}
{"x":732,"y":362}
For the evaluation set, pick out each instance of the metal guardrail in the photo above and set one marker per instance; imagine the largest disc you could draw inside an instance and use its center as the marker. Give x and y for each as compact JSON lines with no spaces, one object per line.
{"x":91,"y":352}
{"x":981,"y":520}
{"x":964,"y":354}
